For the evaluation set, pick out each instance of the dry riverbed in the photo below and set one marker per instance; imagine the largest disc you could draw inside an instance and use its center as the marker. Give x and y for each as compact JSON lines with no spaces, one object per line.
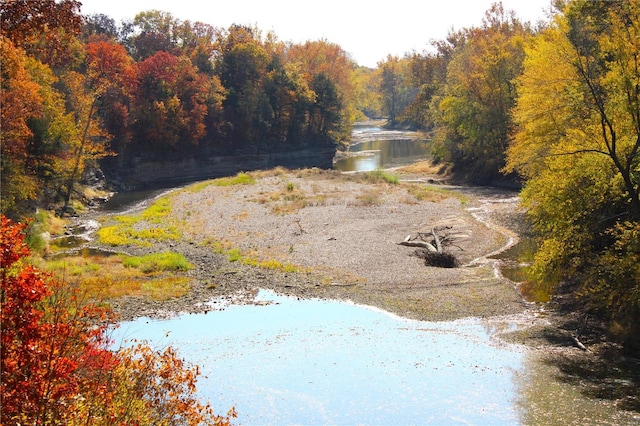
{"x":329,"y":235}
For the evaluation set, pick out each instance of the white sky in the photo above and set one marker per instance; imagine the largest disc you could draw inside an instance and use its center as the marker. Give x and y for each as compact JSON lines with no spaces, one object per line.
{"x":367,"y":30}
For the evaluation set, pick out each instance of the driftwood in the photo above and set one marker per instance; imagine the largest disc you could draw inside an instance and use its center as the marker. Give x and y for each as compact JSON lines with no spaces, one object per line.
{"x":421,"y":244}
{"x":578,"y":343}
{"x":431,"y":246}
{"x":576,"y":337}
{"x":434,"y":241}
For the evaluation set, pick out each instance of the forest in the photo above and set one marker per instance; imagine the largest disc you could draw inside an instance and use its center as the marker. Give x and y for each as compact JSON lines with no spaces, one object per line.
{"x":553,"y":108}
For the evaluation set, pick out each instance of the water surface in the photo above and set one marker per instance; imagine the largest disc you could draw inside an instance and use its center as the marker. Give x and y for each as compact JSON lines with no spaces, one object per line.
{"x":378,"y":154}
{"x":294,"y":361}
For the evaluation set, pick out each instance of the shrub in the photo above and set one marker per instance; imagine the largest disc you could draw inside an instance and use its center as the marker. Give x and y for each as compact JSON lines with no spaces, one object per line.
{"x":437,"y":259}
{"x":57,"y":365}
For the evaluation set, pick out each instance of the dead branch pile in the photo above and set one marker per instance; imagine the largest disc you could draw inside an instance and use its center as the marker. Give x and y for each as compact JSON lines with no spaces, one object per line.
{"x":432,"y":246}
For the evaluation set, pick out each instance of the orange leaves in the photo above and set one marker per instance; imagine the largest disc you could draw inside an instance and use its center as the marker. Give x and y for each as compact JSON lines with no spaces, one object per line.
{"x":109,"y":64}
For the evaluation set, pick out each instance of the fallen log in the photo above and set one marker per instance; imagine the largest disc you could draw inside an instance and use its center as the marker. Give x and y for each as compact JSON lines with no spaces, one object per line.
{"x":437,"y":240}
{"x":579,"y":344}
{"x":421,"y":244}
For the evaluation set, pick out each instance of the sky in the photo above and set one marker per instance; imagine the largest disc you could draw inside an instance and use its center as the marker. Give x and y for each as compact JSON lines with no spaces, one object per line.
{"x":367,"y":30}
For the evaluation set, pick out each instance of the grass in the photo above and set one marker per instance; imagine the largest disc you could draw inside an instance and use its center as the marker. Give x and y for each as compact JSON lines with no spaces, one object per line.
{"x":103,"y":277}
{"x":157,"y":262}
{"x":165,"y":288}
{"x":153,"y":224}
{"x":376,"y":176}
{"x":239,"y":179}
{"x":286,"y":201}
{"x":236,"y":255}
{"x":433,"y":194}
{"x":370,"y":197}
{"x":44,"y":222}
{"x":425,"y":167}
{"x":199,"y":187}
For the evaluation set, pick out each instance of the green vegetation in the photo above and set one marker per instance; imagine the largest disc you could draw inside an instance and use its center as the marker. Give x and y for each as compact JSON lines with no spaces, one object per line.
{"x":369,"y":197}
{"x":198,"y":187}
{"x":433,"y":193}
{"x":153,"y":224}
{"x":239,"y":179}
{"x":158,"y":276}
{"x":381,"y":175}
{"x":375,"y":176}
{"x":43,"y":224}
{"x":157,"y":262}
{"x":235,"y":255}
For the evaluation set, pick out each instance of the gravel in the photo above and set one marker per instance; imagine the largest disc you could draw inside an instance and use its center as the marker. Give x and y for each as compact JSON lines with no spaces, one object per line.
{"x":341,"y":234}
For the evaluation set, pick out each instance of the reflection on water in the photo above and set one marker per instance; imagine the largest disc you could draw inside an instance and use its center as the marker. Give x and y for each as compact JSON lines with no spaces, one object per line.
{"x":122,"y":200}
{"x":287,"y":361}
{"x":329,"y":362}
{"x":515,"y":265}
{"x":379,"y":154}
{"x":552,"y":393}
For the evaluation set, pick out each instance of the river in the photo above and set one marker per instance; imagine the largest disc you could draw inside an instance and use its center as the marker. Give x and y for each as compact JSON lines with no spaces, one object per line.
{"x":288,"y":361}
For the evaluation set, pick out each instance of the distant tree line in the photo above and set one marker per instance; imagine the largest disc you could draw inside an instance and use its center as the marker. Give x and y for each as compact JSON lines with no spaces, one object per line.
{"x":76,"y":89}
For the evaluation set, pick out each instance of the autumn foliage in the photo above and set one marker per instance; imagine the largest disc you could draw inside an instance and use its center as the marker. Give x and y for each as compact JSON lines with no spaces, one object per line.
{"x":56,"y":362}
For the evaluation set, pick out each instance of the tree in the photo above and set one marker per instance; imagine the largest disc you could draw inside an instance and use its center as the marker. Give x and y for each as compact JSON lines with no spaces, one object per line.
{"x":108,"y":70}
{"x":57,"y":365}
{"x":44,"y":28}
{"x":396,"y":88}
{"x":334,"y":64}
{"x":577,"y":146}
{"x":325,"y":119}
{"x":241,"y":67}
{"x":479,"y":95}
{"x":428,"y":73}
{"x":154,"y":31}
{"x":21,"y":102}
{"x":99,"y":25}
{"x":389,"y":86}
{"x":367,"y":96}
{"x":170,"y":102}
{"x":50,"y":350}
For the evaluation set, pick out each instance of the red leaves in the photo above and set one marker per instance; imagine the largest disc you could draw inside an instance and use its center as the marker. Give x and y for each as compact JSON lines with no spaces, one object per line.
{"x":49,"y":349}
{"x":55,"y":362}
{"x":171,"y":104}
{"x":12,"y":245}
